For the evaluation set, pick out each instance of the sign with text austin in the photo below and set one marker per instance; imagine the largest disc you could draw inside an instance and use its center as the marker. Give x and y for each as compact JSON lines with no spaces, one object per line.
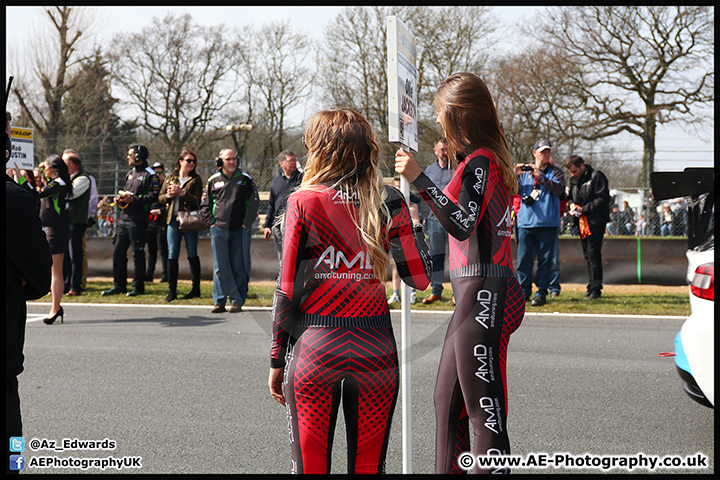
{"x":22,"y":148}
{"x":402,"y":84}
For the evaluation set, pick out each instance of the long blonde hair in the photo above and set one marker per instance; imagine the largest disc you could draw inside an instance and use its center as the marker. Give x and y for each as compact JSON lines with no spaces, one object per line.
{"x":469,"y":119}
{"x":343,"y":154}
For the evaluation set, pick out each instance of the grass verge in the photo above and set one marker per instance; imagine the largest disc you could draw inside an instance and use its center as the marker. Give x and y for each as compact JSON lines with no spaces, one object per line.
{"x":617,"y":301}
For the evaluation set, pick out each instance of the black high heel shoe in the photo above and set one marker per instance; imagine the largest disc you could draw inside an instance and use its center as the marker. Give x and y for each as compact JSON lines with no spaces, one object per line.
{"x":50,"y":320}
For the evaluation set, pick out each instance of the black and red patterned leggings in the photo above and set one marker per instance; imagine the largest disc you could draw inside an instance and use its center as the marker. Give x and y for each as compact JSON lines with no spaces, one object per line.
{"x":471,"y":377}
{"x":360,"y":363}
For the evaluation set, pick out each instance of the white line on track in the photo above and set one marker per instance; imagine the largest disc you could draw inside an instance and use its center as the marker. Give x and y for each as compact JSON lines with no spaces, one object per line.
{"x":31,"y":317}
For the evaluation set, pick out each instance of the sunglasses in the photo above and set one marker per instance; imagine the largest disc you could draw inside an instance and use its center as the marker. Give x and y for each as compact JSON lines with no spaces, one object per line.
{"x":190,"y":160}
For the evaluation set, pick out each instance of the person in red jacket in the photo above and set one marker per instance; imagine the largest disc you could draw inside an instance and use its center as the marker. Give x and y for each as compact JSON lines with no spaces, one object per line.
{"x":475,"y":209}
{"x":332,"y":334}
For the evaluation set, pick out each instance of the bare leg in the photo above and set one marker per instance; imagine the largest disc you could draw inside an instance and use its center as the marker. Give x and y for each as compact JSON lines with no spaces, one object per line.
{"x":57,"y":282}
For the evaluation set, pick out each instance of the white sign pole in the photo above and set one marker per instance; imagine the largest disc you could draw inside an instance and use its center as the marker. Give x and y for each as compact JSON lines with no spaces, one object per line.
{"x":402,"y":130}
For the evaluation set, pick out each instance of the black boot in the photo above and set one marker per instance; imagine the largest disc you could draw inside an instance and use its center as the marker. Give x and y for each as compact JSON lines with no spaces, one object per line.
{"x":172,"y":279}
{"x":195,"y":274}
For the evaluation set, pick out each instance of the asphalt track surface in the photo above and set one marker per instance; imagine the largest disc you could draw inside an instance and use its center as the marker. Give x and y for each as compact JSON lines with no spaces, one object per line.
{"x":186,"y":390}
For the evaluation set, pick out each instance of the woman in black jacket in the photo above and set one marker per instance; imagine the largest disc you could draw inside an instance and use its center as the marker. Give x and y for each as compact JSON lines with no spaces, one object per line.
{"x":181,"y":192}
{"x":55,"y":219}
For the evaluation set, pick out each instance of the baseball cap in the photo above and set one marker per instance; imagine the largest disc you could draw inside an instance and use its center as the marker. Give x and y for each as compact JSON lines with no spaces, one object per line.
{"x":541,"y":145}
{"x":158,"y":165}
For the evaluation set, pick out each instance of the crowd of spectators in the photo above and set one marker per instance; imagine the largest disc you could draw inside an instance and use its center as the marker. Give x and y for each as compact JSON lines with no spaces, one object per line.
{"x":655,"y":219}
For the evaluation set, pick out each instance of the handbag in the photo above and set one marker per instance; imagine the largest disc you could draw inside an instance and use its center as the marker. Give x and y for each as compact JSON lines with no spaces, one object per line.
{"x":192,"y":221}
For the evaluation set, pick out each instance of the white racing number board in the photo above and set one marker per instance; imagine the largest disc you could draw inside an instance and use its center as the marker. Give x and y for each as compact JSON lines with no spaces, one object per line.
{"x":402,"y":84}
{"x":22,"y":148}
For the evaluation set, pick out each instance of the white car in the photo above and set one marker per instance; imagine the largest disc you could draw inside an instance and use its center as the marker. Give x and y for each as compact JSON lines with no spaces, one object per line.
{"x":695,"y":342}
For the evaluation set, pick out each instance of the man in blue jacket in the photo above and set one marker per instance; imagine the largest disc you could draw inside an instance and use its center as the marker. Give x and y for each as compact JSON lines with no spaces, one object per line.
{"x":280,"y":189}
{"x":541,"y":187}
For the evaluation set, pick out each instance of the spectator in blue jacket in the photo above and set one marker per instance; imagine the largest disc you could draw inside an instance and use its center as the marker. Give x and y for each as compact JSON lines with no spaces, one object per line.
{"x":541,"y":187}
{"x":440,"y":173}
{"x":280,"y":189}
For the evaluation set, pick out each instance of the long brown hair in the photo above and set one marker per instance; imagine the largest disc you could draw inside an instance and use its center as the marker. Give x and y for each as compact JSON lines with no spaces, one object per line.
{"x":343,"y":154}
{"x":182,"y":155}
{"x":469,"y":119}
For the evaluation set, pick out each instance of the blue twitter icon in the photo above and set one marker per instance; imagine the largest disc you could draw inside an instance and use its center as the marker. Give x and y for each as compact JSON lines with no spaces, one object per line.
{"x":17,"y":444}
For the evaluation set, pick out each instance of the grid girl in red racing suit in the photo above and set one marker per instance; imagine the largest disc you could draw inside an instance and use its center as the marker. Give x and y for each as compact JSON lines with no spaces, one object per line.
{"x":331,"y":316}
{"x":475,"y":210}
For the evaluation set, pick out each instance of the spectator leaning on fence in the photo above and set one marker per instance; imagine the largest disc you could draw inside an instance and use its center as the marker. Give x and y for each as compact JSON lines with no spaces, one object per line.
{"x":104,"y":210}
{"x":614,"y":220}
{"x":641,"y":227}
{"x":679,"y":209}
{"x":666,"y":220}
{"x":627,"y":227}
{"x":651,"y":207}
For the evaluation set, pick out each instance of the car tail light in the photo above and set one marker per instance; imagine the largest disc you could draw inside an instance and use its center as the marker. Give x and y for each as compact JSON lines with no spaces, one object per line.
{"x":703,"y":282}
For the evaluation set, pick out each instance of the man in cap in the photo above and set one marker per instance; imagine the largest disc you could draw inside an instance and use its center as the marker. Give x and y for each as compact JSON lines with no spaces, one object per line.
{"x":541,"y":188}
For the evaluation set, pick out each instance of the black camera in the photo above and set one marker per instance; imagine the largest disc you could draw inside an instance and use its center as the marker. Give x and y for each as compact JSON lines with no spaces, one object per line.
{"x":529,"y":200}
{"x":526,"y":168}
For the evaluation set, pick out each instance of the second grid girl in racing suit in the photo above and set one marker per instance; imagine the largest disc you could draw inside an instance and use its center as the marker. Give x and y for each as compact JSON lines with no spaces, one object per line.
{"x":332,"y":335}
{"x":475,"y":210}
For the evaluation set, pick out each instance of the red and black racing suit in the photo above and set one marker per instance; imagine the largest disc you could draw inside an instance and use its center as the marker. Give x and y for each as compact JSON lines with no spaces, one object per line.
{"x":475,"y":210}
{"x":331,"y":315}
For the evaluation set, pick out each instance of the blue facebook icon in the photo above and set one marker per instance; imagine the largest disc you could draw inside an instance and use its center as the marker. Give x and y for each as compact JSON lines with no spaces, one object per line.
{"x":17,"y":462}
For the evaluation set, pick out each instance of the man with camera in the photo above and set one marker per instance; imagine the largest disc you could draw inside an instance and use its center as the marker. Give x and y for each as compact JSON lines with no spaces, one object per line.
{"x":541,"y":187}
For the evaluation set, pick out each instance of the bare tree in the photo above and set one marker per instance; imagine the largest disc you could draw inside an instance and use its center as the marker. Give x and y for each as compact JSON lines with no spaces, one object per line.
{"x":355,"y":63}
{"x":174,"y":76}
{"x":449,"y":40}
{"x":92,"y":96}
{"x":42,"y":92}
{"x":247,"y":102}
{"x":536,"y":97}
{"x":641,"y":66}
{"x":284,"y":74}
